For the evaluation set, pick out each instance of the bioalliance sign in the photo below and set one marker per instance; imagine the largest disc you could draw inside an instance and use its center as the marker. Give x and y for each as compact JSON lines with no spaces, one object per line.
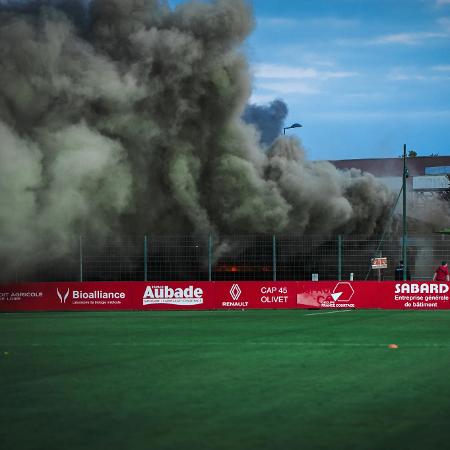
{"x":90,"y":297}
{"x":188,"y":296}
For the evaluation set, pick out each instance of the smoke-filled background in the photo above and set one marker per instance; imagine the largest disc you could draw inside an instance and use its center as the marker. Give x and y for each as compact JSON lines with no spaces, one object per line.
{"x":127,"y":117}
{"x":268,"y":120}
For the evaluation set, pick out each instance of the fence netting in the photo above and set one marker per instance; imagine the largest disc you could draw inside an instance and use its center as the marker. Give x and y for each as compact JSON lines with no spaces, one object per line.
{"x":238,"y":257}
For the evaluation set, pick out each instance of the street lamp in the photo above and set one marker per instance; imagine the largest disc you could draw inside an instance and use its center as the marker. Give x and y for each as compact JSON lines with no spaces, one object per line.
{"x":294,"y":125}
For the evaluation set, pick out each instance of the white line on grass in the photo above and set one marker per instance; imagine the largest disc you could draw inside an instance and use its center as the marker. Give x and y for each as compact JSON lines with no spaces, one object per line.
{"x":329,"y":312}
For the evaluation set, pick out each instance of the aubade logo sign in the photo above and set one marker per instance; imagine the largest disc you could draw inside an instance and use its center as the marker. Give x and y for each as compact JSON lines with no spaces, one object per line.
{"x":154,"y":295}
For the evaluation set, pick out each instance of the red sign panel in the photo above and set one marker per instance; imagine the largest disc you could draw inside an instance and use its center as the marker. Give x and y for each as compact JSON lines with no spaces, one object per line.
{"x":106,"y":296}
{"x":90,"y":296}
{"x":174,"y":295}
{"x":372,"y":294}
{"x":255,"y":294}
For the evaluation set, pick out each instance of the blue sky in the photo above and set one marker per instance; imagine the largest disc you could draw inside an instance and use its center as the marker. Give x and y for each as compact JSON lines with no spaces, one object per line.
{"x":364,"y":77}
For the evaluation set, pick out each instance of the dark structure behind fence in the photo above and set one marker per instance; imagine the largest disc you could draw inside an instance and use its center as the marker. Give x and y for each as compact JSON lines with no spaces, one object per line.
{"x":241,"y":257}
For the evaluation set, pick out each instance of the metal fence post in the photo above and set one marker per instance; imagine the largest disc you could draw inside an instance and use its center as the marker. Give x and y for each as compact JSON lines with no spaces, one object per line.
{"x":209,"y":258}
{"x":81,"y":259}
{"x":145,"y":258}
{"x":274,"y":257}
{"x":378,"y":255}
{"x":405,"y":224}
{"x":339,"y":257}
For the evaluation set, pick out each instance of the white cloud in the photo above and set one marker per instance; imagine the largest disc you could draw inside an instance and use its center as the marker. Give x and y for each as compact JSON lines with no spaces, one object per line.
{"x":338,"y":74}
{"x":298,"y":54}
{"x":444,"y":22}
{"x":277,"y":22}
{"x":408,"y":38}
{"x":420,"y":74}
{"x":318,"y":60}
{"x":274,"y":71}
{"x":403,"y":76}
{"x":382,"y":115}
{"x":284,"y":79}
{"x":288,"y":87}
{"x":284,"y":72}
{"x":365,"y":96}
{"x":261,"y":99}
{"x":442,"y":2}
{"x":442,"y":68}
{"x":318,"y":22}
{"x":332,"y":22}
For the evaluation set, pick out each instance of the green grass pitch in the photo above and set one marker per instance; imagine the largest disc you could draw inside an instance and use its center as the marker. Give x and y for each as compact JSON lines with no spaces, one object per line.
{"x":225,"y":380}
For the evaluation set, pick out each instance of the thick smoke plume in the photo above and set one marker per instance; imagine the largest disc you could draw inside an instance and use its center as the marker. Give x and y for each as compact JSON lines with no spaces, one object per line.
{"x":268,"y":120}
{"x":124,"y":117}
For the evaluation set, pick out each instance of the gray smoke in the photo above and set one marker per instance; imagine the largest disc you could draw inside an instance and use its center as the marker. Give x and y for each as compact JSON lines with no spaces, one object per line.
{"x":124,"y":117}
{"x":268,"y":120}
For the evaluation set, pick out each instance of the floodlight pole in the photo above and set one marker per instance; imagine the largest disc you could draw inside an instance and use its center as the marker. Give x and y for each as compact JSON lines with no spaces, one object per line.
{"x":404,"y":244}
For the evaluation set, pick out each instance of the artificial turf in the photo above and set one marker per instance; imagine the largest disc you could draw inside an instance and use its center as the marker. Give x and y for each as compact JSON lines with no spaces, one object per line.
{"x":225,"y":380}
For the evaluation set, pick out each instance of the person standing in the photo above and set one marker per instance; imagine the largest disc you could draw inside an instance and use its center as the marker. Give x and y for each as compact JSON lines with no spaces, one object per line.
{"x":399,"y":272}
{"x":441,"y":273}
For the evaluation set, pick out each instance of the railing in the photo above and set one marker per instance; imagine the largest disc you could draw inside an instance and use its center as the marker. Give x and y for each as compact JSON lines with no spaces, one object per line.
{"x":241,"y":257}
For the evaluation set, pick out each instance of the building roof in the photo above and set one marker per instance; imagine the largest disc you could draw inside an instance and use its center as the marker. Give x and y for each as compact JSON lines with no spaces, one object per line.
{"x":393,"y":167}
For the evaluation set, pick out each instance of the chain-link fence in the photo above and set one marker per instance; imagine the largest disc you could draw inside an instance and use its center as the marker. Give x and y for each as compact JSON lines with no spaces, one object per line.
{"x":242,"y":257}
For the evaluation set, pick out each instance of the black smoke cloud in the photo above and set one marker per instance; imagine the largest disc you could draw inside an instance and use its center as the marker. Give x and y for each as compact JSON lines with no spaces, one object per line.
{"x":268,"y":120}
{"x":124,"y":117}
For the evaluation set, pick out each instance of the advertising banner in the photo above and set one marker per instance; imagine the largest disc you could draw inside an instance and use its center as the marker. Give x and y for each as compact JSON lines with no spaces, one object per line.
{"x":255,"y":294}
{"x":328,"y":294}
{"x":192,"y":295}
{"x":373,"y":294}
{"x":175,"y":295}
{"x":106,"y":296}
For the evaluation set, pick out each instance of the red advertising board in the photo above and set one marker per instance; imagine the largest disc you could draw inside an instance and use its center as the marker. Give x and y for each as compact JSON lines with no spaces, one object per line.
{"x":102,"y":296}
{"x":256,"y":294}
{"x":373,"y":294}
{"x":174,"y":295}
